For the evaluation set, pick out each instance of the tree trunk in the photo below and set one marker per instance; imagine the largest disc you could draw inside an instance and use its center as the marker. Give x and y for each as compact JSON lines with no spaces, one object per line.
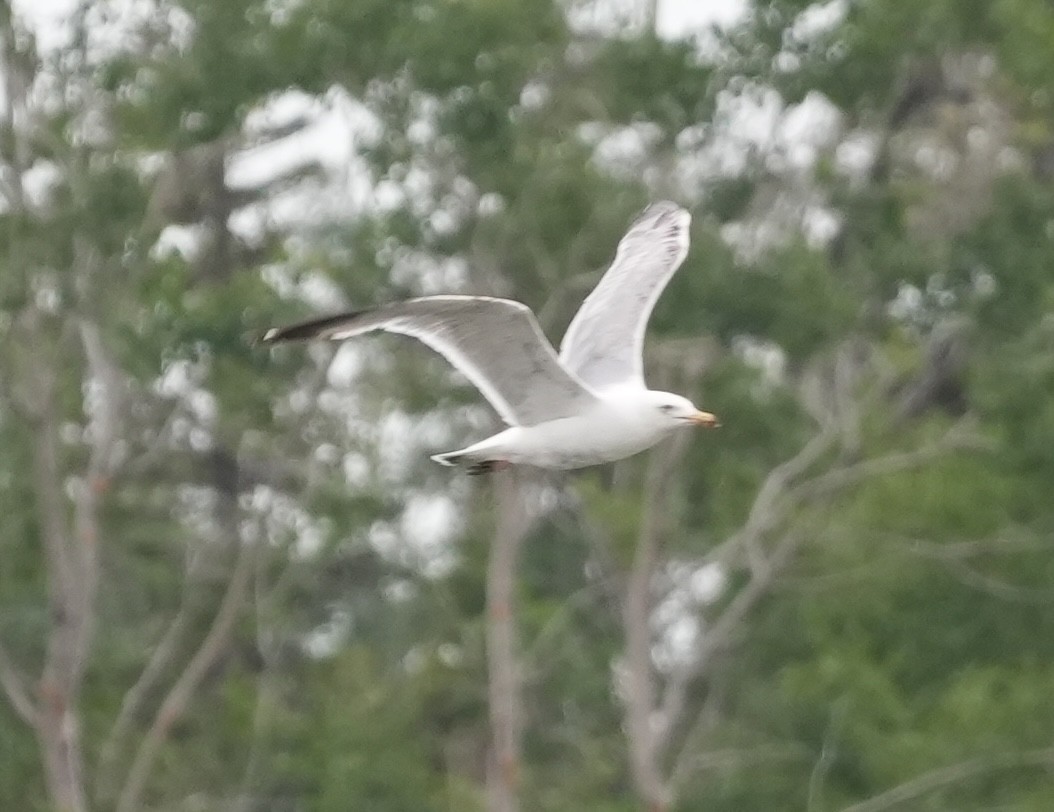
{"x":506,"y":701}
{"x":59,"y":736}
{"x":72,"y":574}
{"x":641,"y":703}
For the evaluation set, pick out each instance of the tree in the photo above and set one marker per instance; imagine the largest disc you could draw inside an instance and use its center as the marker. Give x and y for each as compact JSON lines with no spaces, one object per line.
{"x":231,"y":578}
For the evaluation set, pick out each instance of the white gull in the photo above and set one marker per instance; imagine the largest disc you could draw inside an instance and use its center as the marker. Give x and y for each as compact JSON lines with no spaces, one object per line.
{"x":588,"y":405}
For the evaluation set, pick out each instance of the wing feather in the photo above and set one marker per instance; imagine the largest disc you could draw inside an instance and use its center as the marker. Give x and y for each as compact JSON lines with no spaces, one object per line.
{"x":496,"y":343}
{"x":605,"y":341}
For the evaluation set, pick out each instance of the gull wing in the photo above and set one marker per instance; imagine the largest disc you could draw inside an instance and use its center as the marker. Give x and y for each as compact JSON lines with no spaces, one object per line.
{"x":605,"y":340}
{"x":496,"y":343}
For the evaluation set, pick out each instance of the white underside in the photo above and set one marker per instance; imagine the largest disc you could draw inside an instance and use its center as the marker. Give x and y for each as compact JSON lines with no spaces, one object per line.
{"x":620,"y":425}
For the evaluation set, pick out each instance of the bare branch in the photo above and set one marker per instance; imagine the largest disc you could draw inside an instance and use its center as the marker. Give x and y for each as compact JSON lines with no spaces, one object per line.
{"x":720,"y":632}
{"x":968,"y":576}
{"x":737,"y":759}
{"x":777,"y":498}
{"x":764,"y":513}
{"x":267,"y":692}
{"x":160,"y":659}
{"x":827,"y":757}
{"x":953,"y":774}
{"x":772,"y":506}
{"x":642,"y":736}
{"x":955,"y":558}
{"x":178,"y":698}
{"x":706,"y":719}
{"x":1006,"y":543}
{"x":718,"y":635}
{"x":14,"y":687}
{"x":958,"y":437}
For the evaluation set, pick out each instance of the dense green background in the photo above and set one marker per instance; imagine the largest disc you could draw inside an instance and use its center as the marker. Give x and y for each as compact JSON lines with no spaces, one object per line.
{"x":884,"y":638}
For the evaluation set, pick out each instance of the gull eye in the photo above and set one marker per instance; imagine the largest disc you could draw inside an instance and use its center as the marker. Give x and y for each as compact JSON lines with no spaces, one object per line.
{"x":666,"y":408}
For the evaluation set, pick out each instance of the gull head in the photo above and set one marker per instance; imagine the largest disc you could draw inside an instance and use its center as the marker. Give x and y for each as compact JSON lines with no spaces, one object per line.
{"x":673,"y":411}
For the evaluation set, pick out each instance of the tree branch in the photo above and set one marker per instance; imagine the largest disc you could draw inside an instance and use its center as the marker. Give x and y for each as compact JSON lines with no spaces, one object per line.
{"x":737,"y":759}
{"x":774,"y":503}
{"x":642,"y":736}
{"x":765,"y":512}
{"x":15,"y":688}
{"x":953,"y":774}
{"x":179,"y":696}
{"x":1012,"y":593}
{"x":706,"y":719}
{"x":161,"y":657}
{"x":267,"y":691}
{"x":956,"y":438}
{"x":718,"y":634}
{"x":70,"y":594}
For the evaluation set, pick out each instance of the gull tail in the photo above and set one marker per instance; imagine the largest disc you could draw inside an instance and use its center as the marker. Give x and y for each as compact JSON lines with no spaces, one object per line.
{"x":474,"y":464}
{"x":451,"y":459}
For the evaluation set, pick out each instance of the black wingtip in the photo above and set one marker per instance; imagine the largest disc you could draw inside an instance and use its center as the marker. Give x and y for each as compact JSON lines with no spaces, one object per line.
{"x":313,"y":328}
{"x":293,"y":332}
{"x":254,"y":338}
{"x":269,"y":336}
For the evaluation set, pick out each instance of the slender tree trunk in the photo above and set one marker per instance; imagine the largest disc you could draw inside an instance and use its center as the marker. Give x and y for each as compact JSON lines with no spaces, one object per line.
{"x":505,"y":688}
{"x":68,"y":538}
{"x":59,"y":737}
{"x":72,"y":575}
{"x":641,"y":701}
{"x":226,"y":475}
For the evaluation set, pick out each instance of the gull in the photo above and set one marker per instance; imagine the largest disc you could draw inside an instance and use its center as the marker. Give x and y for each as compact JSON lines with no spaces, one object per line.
{"x":586,"y":406}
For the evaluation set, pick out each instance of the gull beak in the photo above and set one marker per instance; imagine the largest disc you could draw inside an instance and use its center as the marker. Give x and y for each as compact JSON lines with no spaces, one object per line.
{"x":704,"y":419}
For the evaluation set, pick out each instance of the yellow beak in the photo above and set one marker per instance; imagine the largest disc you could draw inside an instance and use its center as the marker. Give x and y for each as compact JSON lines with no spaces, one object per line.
{"x":704,"y":419}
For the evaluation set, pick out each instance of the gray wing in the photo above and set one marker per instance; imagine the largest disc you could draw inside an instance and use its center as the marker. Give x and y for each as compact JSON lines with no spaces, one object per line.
{"x":605,"y":340}
{"x":496,"y":343}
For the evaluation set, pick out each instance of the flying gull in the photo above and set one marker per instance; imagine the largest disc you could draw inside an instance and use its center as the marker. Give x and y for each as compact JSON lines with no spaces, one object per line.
{"x":588,"y":405}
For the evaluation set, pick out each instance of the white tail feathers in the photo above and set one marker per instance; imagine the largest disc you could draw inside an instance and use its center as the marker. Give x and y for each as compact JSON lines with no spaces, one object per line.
{"x":449,"y":459}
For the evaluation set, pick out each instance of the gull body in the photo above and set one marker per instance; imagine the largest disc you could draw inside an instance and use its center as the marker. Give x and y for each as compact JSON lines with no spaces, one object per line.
{"x":623,"y":422}
{"x":585,"y":406}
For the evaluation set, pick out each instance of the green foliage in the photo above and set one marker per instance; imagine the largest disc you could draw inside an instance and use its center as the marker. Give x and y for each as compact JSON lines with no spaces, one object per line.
{"x":1021,"y":273}
{"x":649,"y":79}
{"x":913,"y":629}
{"x":356,"y":738}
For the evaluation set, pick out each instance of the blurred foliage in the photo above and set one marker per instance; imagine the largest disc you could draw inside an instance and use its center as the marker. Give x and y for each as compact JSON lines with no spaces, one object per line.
{"x":912,"y":631}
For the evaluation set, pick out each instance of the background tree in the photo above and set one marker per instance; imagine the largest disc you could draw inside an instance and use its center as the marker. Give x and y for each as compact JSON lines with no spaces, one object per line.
{"x":231,"y":578}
